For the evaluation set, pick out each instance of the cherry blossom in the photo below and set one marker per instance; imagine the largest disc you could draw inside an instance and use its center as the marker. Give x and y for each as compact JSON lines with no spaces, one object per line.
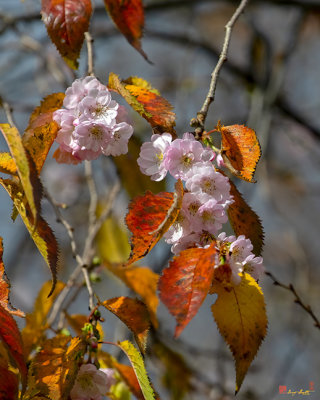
{"x":91,"y":383}
{"x":151,"y":158}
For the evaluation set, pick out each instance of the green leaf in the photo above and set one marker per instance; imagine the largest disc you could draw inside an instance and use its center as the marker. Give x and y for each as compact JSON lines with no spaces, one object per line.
{"x":240,"y":314}
{"x":137,"y":363}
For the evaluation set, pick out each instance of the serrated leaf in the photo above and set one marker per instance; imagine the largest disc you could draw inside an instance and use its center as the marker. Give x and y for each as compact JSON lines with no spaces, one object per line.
{"x":4,"y":288}
{"x":185,"y":284}
{"x":143,"y":281}
{"x":41,"y":234}
{"x":36,"y":321}
{"x":134,"y":314}
{"x":139,"y":368}
{"x":42,"y":130}
{"x":66,"y":22}
{"x":25,"y":167}
{"x":146,"y":101}
{"x":133,"y":180}
{"x":53,"y":370}
{"x":241,"y":146}
{"x":128,"y":15}
{"x":149,"y":217}
{"x":241,"y":317}
{"x":10,"y":335}
{"x":9,"y":384}
{"x":7,"y":164}
{"x":245,"y":221}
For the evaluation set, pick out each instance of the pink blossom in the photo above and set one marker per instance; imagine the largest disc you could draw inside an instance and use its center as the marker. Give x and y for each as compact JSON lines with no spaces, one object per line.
{"x":90,"y":384}
{"x":118,"y":142}
{"x":98,"y":105}
{"x":194,"y":239}
{"x":79,"y":89}
{"x":254,"y":266}
{"x":183,"y":154}
{"x":211,"y":216}
{"x":151,"y":158}
{"x":204,"y":178}
{"x":89,"y":135}
{"x":179,"y":229}
{"x":240,"y":249}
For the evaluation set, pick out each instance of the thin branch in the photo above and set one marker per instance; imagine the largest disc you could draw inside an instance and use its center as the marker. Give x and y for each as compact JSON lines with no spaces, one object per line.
{"x":93,"y":193}
{"x":297,"y":298}
{"x":8,"y":111}
{"x":198,"y":122}
{"x":89,"y":41}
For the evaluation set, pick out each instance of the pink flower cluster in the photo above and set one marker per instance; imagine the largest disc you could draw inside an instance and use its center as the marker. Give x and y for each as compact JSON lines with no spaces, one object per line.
{"x":240,"y":257}
{"x":206,"y":199}
{"x":91,"y":383}
{"x":91,"y":123}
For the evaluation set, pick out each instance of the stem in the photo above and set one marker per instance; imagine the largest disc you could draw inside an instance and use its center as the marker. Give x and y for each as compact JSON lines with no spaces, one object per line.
{"x":199,"y":121}
{"x":89,"y":41}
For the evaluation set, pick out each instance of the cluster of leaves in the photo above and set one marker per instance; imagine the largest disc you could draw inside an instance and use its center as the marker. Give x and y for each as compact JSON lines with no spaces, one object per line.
{"x":48,"y":367}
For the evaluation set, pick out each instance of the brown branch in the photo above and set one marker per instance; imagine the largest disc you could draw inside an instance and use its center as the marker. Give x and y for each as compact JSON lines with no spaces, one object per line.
{"x":297,"y":298}
{"x":199,"y":121}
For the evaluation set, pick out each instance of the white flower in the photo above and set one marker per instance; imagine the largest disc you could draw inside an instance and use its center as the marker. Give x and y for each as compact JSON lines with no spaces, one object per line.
{"x":91,"y":383}
{"x":152,"y":154}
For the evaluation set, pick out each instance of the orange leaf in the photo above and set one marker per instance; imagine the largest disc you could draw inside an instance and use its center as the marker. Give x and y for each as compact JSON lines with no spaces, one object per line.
{"x":128,"y":15}
{"x":146,"y":101}
{"x":245,"y":221}
{"x":7,"y":164}
{"x":149,"y":217}
{"x":66,"y":22}
{"x":241,"y":146}
{"x":186,"y":282}
{"x":10,"y":335}
{"x":42,"y":130}
{"x":54,"y":369}
{"x":128,"y":375}
{"x":9,"y":384}
{"x":143,"y":281}
{"x":4,"y":288}
{"x":134,"y":314}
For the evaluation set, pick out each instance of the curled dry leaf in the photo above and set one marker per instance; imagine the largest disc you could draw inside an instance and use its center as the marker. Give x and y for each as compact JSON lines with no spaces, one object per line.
{"x":134,"y":314}
{"x":149,"y":217}
{"x":241,"y":146}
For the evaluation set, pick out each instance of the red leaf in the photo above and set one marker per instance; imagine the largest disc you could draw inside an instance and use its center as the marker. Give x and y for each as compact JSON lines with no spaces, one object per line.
{"x":241,"y":146}
{"x":10,"y":335}
{"x":186,"y":282}
{"x":4,"y":288}
{"x":245,"y":221}
{"x":149,"y":217}
{"x":9,"y":384}
{"x":66,"y":22}
{"x":134,"y":314}
{"x":128,"y":15}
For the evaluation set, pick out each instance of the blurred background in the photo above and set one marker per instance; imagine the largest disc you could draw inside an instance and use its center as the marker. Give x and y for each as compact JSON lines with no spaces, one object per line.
{"x":271,"y":83}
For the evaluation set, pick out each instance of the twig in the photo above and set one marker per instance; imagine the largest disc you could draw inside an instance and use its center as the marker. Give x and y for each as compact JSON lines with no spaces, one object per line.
{"x":93,"y":193}
{"x":297,"y":299}
{"x":198,"y":122}
{"x":89,"y":41}
{"x":8,"y":111}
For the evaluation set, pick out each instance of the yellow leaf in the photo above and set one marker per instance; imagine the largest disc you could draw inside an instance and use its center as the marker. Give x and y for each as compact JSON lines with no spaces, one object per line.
{"x":7,"y":164}
{"x":240,"y":314}
{"x":143,"y":281}
{"x":41,"y":234}
{"x":113,"y":242}
{"x":54,"y":369}
{"x":36,"y":322}
{"x":25,"y":167}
